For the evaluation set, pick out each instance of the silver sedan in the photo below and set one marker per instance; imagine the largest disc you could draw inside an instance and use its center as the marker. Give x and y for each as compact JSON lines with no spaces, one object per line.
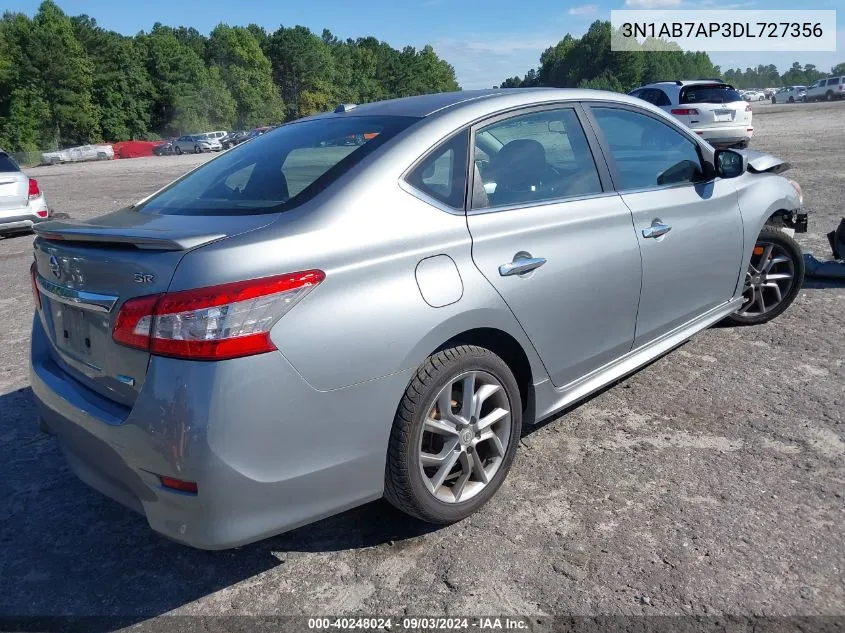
{"x":304,"y":324}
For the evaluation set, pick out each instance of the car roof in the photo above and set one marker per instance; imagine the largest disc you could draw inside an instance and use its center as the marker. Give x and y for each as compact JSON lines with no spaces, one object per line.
{"x":427,"y":105}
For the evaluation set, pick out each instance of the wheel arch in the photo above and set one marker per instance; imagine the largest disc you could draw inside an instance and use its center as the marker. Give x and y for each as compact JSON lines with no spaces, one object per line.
{"x":506,"y":347}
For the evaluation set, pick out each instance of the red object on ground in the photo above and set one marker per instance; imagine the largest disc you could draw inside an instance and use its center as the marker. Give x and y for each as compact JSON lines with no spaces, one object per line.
{"x":134,"y":149}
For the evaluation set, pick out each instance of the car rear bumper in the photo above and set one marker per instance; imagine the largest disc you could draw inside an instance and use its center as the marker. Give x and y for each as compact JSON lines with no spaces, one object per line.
{"x":726,"y":135}
{"x":267,"y":451}
{"x":25,"y":217}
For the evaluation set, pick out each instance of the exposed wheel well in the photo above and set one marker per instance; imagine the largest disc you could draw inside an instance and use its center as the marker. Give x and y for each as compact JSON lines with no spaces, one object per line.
{"x":509,"y":350}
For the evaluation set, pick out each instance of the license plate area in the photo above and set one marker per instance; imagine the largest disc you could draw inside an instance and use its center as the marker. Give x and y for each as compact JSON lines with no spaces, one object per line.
{"x":721,"y":116}
{"x":73,"y":330}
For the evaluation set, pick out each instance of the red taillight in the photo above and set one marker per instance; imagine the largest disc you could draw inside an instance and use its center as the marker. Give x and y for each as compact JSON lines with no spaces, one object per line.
{"x":134,"y":322}
{"x":43,"y":213}
{"x":177,"y":484}
{"x":33,"y":276}
{"x":685,"y":111}
{"x":34,"y":191}
{"x":213,"y":323}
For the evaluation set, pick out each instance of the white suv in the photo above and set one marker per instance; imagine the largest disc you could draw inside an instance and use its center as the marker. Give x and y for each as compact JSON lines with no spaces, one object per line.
{"x":711,"y":108}
{"x":827,"y":89}
{"x":22,"y":202}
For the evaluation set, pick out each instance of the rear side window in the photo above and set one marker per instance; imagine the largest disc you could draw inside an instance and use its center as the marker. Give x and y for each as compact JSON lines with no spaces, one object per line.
{"x":277,"y":170}
{"x":7,"y":164}
{"x":833,"y":82}
{"x":709,"y":93}
{"x":443,"y":173}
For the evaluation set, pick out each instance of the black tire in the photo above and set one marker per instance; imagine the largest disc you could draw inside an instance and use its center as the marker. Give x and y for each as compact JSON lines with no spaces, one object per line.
{"x":197,"y":149}
{"x":773,"y":234}
{"x":178,"y":150}
{"x":404,"y":486}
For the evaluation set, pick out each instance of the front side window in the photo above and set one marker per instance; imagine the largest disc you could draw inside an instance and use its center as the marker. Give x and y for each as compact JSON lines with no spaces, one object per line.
{"x":647,"y":152}
{"x":531,"y":158}
{"x":277,"y":170}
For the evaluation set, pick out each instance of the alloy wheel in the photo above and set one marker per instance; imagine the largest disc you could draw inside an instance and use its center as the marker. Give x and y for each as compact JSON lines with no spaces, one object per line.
{"x":770,"y":277}
{"x":465,"y":436}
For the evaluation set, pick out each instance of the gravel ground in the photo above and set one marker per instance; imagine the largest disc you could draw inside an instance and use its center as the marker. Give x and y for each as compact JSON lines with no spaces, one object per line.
{"x":711,"y":482}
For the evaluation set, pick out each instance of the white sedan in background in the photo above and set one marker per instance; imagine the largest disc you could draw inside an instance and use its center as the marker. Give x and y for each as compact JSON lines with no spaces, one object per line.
{"x":790,"y":94}
{"x":78,"y":154}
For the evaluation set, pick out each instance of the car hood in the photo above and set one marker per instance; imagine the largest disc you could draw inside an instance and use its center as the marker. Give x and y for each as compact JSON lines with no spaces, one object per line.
{"x":759,"y":162}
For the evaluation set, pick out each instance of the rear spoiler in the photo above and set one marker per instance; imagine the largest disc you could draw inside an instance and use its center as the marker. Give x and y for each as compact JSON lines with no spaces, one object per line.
{"x":146,"y":239}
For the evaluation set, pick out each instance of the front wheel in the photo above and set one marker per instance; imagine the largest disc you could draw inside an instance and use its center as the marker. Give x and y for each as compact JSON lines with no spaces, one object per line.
{"x":773,"y":278}
{"x":454,"y":436}
{"x":178,"y":151}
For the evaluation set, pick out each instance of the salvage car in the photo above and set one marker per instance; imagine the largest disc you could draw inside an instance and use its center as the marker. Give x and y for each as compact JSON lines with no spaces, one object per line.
{"x":22,"y":203}
{"x":78,"y":154}
{"x":300,"y":326}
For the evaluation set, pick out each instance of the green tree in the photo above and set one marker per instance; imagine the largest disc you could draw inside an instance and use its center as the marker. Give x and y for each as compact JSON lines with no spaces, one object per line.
{"x":248,"y":75}
{"x":303,"y":67}
{"x":122,"y":88}
{"x":54,"y":60}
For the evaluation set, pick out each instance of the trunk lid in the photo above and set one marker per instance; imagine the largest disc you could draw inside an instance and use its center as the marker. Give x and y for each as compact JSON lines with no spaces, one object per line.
{"x":14,"y":190}
{"x":717,"y":115}
{"x":87,"y":270}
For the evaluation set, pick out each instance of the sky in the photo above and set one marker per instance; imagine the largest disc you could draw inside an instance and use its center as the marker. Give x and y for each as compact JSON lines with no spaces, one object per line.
{"x":485,"y":40}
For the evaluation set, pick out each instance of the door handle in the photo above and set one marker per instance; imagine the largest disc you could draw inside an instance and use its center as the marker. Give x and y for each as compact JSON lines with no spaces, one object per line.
{"x":521,"y":265}
{"x":656,"y":229}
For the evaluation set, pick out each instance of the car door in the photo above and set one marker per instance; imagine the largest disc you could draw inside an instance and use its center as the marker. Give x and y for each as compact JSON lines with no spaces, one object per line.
{"x":689,"y":229}
{"x":553,"y":239}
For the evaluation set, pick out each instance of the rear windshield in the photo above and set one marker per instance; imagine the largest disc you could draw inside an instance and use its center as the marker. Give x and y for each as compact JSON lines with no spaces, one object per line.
{"x":7,"y":164}
{"x":277,"y":170}
{"x":707,"y":93}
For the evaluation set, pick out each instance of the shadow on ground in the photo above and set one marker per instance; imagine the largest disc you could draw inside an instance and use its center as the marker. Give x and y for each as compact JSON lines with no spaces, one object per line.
{"x":67,"y":550}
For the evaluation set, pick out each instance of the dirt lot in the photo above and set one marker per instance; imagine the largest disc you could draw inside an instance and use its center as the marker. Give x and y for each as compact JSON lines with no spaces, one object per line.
{"x":711,"y":482}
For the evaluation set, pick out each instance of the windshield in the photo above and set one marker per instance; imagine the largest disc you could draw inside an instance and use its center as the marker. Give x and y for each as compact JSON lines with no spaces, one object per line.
{"x":710,"y":93}
{"x":278,"y":170}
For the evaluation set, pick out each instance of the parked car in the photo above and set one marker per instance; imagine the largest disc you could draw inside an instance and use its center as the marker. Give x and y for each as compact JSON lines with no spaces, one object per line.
{"x":22,"y":203}
{"x":241,"y":353}
{"x":219,"y":135}
{"x":827,"y":89}
{"x":754,"y":95}
{"x":713,"y":110}
{"x":78,"y":154}
{"x":196,"y":143}
{"x":164,"y":149}
{"x":790,"y":94}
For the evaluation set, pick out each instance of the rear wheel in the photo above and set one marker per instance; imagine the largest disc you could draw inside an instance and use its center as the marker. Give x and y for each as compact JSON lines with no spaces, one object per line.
{"x":454,"y":436}
{"x":773,"y":278}
{"x":829,"y":95}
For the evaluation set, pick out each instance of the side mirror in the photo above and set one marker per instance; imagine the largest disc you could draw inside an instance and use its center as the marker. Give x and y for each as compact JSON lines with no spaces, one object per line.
{"x":730,"y":164}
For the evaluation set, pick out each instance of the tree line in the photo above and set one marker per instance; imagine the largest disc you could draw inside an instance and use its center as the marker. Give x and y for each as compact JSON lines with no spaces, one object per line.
{"x":67,"y":81}
{"x":589,"y":62}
